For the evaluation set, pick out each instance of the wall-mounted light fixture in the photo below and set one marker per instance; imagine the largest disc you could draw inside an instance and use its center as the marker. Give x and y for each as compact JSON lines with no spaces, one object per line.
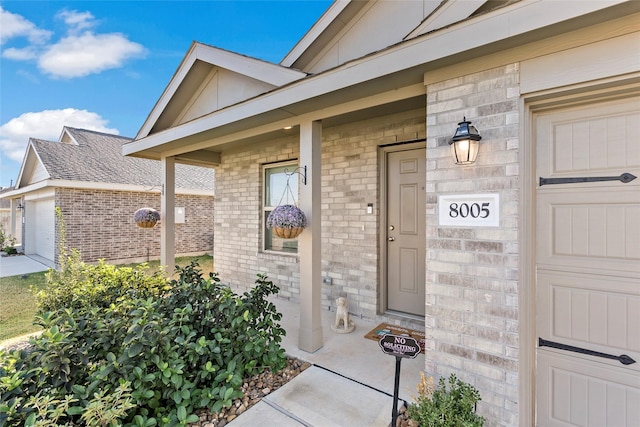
{"x":465,"y":143}
{"x":20,"y":206}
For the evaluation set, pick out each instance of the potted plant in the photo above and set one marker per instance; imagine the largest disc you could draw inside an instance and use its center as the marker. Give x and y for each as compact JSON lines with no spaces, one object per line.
{"x":287,"y":221}
{"x":146,"y":217}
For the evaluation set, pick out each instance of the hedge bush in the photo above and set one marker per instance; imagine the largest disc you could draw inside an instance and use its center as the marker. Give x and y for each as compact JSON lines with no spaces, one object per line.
{"x":134,"y":353}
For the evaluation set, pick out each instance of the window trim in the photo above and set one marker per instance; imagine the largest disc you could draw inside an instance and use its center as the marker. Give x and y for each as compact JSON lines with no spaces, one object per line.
{"x":264,"y":210}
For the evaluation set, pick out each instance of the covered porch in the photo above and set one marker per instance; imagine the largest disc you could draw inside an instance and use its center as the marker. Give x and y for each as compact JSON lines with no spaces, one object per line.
{"x":352,"y":355}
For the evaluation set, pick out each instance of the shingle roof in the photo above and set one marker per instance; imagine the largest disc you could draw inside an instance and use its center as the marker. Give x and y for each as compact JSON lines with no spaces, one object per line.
{"x":97,"y":157}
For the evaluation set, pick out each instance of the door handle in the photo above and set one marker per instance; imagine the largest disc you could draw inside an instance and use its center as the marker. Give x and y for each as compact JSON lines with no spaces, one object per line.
{"x":391,"y":239}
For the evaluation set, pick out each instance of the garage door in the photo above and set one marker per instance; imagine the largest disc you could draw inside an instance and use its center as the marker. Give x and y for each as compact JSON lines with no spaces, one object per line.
{"x":45,"y":228}
{"x":588,"y":265}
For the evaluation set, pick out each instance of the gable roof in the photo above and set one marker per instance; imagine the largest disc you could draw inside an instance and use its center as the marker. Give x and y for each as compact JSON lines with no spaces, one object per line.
{"x":88,"y":156}
{"x":202,"y":81}
{"x":350,"y":29}
{"x":393,"y":73}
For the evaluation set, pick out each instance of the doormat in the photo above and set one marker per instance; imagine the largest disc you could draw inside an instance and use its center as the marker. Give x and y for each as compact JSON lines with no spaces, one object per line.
{"x":384,"y":328}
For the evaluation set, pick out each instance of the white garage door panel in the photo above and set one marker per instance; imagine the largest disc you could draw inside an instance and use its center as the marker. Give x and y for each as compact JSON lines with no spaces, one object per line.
{"x":590,"y":140}
{"x":585,"y":311}
{"x":45,"y":228}
{"x":590,"y":227}
{"x":588,"y":267}
{"x":584,"y":394}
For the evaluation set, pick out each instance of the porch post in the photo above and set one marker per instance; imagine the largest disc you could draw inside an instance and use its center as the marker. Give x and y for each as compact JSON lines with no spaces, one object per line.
{"x":309,"y":249}
{"x":12,"y":223}
{"x":167,"y":211}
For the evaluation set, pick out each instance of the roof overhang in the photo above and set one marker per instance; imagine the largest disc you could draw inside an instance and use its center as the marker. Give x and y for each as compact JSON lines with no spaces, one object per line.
{"x":388,"y":76}
{"x":62,"y":183}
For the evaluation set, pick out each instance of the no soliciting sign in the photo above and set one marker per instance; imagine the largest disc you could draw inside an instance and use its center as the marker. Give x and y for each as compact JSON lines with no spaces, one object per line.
{"x":399,"y":345}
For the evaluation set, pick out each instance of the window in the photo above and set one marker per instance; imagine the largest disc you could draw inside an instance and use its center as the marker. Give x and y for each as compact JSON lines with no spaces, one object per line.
{"x":275,"y":194}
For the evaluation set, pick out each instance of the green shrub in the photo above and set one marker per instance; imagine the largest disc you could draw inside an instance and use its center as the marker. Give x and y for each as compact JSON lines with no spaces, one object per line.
{"x":442,"y":407}
{"x":77,"y":285}
{"x":156,"y":359}
{"x":7,"y":242}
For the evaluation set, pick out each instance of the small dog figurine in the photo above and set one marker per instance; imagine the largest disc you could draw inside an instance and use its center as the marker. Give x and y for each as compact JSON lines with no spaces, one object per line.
{"x":342,"y":317}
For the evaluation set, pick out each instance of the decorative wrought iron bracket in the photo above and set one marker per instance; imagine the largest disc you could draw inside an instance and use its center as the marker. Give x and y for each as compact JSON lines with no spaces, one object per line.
{"x":623,"y":358}
{"x":624,"y":178}
{"x":302,"y":171}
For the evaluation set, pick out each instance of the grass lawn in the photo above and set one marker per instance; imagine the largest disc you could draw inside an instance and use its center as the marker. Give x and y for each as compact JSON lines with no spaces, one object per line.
{"x":204,"y":261}
{"x":18,"y":303}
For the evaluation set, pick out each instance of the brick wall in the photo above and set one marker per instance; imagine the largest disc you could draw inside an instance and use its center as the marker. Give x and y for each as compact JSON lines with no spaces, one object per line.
{"x":349,"y":181}
{"x":100,"y":224}
{"x":472,"y":273}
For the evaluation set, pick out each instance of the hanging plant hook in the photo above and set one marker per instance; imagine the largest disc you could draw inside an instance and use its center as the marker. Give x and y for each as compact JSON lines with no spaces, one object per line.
{"x":301,"y":170}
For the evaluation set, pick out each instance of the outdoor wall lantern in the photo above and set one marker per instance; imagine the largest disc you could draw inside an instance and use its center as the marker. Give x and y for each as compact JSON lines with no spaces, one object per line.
{"x":465,"y":143}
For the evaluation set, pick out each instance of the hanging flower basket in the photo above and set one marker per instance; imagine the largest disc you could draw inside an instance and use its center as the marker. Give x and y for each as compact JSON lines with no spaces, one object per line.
{"x":146,"y":217}
{"x":287,"y":221}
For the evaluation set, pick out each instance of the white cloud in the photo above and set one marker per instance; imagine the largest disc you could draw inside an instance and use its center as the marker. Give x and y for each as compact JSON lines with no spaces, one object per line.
{"x":12,"y":25}
{"x":23,"y":54}
{"x":77,"y":21}
{"x":15,"y":134}
{"x":78,"y":56}
{"x":80,"y":53}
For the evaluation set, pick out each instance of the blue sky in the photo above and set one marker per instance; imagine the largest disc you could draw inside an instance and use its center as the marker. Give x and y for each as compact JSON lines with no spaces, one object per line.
{"x":102,"y":65}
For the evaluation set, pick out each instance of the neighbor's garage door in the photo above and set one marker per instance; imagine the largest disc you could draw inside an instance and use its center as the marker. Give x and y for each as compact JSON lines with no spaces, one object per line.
{"x":588,"y":266}
{"x":45,"y":228}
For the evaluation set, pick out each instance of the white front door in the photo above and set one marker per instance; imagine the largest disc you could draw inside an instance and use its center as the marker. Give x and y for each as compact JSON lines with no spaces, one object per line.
{"x":588,"y":266}
{"x":405,"y":231}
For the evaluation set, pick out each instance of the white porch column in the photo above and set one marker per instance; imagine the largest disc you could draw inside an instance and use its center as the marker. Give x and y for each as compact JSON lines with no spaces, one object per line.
{"x":167,"y":210}
{"x":309,"y":249}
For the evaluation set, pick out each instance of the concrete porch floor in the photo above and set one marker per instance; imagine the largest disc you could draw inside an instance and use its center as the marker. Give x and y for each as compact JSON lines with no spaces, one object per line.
{"x":350,"y":383}
{"x":351,"y":355}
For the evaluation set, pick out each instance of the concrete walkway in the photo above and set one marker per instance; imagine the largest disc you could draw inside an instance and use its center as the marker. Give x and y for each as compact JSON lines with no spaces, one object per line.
{"x":15,"y":265}
{"x":350,"y":383}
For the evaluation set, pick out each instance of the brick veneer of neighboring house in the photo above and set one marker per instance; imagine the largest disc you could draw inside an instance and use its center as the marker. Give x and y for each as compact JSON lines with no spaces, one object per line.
{"x":100,"y":224}
{"x":98,"y":190}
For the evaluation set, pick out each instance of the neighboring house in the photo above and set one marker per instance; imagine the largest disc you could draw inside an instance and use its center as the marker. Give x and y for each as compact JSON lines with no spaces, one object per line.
{"x":11,"y":230}
{"x":98,"y":190}
{"x":502,"y":270}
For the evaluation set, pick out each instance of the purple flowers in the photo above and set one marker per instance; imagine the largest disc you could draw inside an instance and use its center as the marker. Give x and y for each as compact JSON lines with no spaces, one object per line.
{"x":145,"y":217}
{"x":286,"y":216}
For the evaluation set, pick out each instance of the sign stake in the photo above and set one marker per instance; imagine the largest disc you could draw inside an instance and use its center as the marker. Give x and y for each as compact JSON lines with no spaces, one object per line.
{"x":399,"y":346}
{"x":396,"y":390}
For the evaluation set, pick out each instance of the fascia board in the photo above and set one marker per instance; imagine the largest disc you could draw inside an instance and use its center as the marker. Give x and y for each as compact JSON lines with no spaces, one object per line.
{"x":65,"y":130}
{"x":41,"y":191}
{"x":448,"y":13}
{"x":316,"y":30}
{"x":31,"y":152}
{"x":493,"y":27}
{"x":82,"y":185}
{"x":273,"y":74}
{"x":169,"y":91}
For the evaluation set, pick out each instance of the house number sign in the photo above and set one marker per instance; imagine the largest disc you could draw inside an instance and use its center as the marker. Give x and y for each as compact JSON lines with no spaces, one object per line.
{"x":469,"y":210}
